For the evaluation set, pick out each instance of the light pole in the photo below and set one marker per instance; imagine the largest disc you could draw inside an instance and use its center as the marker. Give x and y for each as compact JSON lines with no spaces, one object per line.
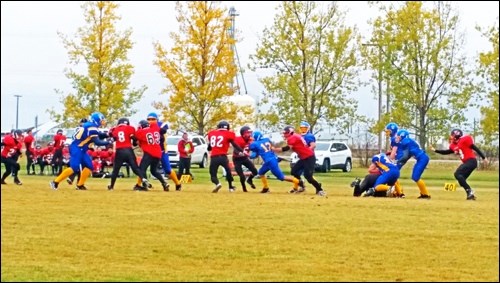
{"x":380,"y":51}
{"x":17,"y":110}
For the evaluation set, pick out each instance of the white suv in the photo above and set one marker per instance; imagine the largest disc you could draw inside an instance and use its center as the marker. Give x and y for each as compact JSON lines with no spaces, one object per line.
{"x":330,"y":155}
{"x":199,"y":155}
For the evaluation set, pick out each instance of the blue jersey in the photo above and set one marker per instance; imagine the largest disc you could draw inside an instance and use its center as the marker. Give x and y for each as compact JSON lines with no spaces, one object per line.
{"x":85,"y":135}
{"x":309,"y":138}
{"x":263,"y":148}
{"x":410,"y":145}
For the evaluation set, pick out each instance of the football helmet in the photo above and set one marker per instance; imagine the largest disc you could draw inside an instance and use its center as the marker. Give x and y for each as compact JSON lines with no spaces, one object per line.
{"x":391,"y":129}
{"x":123,"y":121}
{"x":97,"y":118}
{"x":257,"y":135}
{"x":152,"y":116}
{"x":403,"y":134}
{"x":379,"y":158}
{"x":223,"y":125}
{"x":456,"y":134}
{"x":60,"y":131}
{"x":246,"y":132}
{"x":304,"y":127}
{"x":288,"y":131}
{"x":143,"y":124}
{"x":17,"y":134}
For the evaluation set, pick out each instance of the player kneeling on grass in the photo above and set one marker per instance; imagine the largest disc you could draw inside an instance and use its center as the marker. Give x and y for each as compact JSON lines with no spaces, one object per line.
{"x":388,"y":177}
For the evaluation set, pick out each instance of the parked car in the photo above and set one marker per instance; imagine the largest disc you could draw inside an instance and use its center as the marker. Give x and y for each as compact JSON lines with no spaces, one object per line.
{"x":330,"y":155}
{"x":198,"y":157}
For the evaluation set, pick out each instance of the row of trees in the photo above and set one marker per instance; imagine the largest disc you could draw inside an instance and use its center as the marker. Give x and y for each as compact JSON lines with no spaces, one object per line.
{"x":416,"y":49}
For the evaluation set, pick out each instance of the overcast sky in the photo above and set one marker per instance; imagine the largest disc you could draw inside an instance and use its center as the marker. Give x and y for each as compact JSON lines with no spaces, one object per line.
{"x":33,"y":57}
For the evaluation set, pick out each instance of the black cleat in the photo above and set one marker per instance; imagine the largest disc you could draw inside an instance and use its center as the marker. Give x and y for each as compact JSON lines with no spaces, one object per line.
{"x":178,"y":187}
{"x":265,"y":191}
{"x":81,"y":188}
{"x":110,"y":188}
{"x":165,"y":187}
{"x":53,"y":185}
{"x":424,"y":197}
{"x":217,"y":188}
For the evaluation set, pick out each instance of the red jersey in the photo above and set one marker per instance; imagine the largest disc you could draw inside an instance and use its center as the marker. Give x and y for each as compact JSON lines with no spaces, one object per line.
{"x":299,"y":145}
{"x":149,"y":140}
{"x":59,"y":140}
{"x":219,"y":140}
{"x":48,"y":153}
{"x":122,"y":134}
{"x":29,"y":143}
{"x":185,"y":148}
{"x":243,"y":144}
{"x":11,"y":146}
{"x":463,"y":148}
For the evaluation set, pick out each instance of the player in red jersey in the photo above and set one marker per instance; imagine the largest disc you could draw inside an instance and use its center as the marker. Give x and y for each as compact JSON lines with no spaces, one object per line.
{"x":239,"y":161}
{"x":218,"y":145}
{"x":148,"y":137}
{"x":463,"y":146}
{"x":57,"y":160}
{"x":123,"y":135}
{"x":12,"y":145}
{"x":307,"y":159}
{"x":29,"y":144}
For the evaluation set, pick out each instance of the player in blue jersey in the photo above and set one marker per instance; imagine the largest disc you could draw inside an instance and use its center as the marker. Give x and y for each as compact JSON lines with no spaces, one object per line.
{"x":391,"y":130}
{"x":80,"y":161}
{"x":388,"y":177}
{"x":262,"y":147}
{"x":409,"y":148}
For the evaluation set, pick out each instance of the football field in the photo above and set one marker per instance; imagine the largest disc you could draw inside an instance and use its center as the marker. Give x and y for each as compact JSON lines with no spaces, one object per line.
{"x":196,"y":235}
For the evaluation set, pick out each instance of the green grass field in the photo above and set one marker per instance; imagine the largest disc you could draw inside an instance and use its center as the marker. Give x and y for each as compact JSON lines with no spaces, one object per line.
{"x":196,"y":235}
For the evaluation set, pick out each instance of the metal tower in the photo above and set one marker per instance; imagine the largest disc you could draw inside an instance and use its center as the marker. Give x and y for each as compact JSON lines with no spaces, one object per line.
{"x":236,"y":59}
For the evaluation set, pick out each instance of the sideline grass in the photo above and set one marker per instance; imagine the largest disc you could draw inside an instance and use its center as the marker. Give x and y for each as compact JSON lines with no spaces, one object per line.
{"x":195,"y":235}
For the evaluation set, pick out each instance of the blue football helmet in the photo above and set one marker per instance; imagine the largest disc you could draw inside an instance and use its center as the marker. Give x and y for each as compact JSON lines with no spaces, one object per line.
{"x":257,"y":135}
{"x":379,"y":158}
{"x":304,"y":127}
{"x":403,"y":134}
{"x":97,"y":118}
{"x":152,"y":116}
{"x":391,"y":129}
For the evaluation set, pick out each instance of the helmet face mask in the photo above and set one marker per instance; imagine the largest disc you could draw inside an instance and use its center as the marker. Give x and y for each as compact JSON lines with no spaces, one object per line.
{"x":246,"y":132}
{"x":288,"y":131}
{"x":98,"y":119}
{"x":456,"y":134}
{"x":402,"y":134}
{"x":304,"y":127}
{"x":391,"y":129}
{"x":152,"y":117}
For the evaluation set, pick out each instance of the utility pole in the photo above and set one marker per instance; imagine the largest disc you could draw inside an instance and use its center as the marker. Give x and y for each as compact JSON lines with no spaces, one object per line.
{"x":380,"y":78}
{"x":17,"y":110}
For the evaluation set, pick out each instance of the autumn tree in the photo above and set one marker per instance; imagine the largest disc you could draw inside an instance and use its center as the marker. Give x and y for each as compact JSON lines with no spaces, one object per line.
{"x":488,"y":69}
{"x":102,"y":50}
{"x":200,"y":69}
{"x":430,"y":85}
{"x":313,"y":56}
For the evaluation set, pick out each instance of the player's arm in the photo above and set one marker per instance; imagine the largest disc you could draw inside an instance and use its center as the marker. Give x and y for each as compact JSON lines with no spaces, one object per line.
{"x":476,"y":149}
{"x":406,"y":156}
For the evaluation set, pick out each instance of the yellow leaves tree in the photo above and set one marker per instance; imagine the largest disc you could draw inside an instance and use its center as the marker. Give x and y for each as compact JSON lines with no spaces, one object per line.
{"x":488,"y":69}
{"x":103,"y":51}
{"x":200,"y":69}
{"x":313,"y":54}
